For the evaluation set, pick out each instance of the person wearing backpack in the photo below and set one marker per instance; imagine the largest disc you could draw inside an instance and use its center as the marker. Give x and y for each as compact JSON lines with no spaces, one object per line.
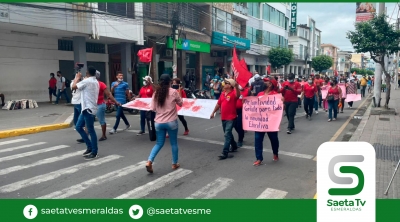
{"x":62,"y":85}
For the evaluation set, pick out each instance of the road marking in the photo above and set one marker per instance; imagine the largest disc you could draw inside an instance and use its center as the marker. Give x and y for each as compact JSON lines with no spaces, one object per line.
{"x":40,"y":162}
{"x":21,"y":147}
{"x":12,"y":141}
{"x":70,"y":191}
{"x":305,"y":156}
{"x":144,"y":190}
{"x":211,"y":189}
{"x":270,"y":193}
{"x":31,"y":153}
{"x":55,"y":174}
{"x":213,"y":127}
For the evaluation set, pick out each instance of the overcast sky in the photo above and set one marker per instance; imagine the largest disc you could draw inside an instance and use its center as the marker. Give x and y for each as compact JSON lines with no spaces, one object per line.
{"x":335,"y":19}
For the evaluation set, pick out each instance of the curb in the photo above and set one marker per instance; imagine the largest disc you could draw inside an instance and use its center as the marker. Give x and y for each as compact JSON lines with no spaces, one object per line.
{"x":37,"y":129}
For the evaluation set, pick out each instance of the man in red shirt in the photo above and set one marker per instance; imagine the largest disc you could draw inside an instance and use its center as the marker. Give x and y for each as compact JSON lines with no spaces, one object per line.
{"x":310,"y":91}
{"x":52,"y":87}
{"x":146,"y":91}
{"x":101,"y":105}
{"x":227,"y":103}
{"x":290,"y":90}
{"x":244,"y":92}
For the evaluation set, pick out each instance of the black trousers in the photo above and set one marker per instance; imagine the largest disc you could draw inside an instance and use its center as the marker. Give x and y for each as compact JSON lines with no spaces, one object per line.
{"x":350,"y":103}
{"x":290,"y":109}
{"x":309,"y":105}
{"x":183,"y":121}
{"x":239,"y":125}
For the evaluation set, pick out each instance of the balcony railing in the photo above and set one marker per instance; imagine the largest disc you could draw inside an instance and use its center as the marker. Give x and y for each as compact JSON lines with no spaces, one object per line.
{"x":238,"y":7}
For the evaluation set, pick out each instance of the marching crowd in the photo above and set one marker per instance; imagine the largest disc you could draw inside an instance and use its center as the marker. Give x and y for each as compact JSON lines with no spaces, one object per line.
{"x":89,"y":93}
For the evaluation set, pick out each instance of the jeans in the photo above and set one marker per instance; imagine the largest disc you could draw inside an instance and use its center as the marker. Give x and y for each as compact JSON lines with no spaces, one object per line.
{"x":183,"y":121}
{"x":308,"y":105}
{"x":120,"y":114}
{"x":77,"y":112}
{"x":101,"y":114}
{"x":161,"y":130}
{"x":227,"y":126}
{"x":316,"y":103}
{"x":333,"y":105}
{"x":88,"y":119}
{"x":290,"y":109}
{"x":259,"y":139}
{"x":64,"y":92}
{"x":363,"y":91}
{"x":239,"y":125}
{"x":143,"y":120}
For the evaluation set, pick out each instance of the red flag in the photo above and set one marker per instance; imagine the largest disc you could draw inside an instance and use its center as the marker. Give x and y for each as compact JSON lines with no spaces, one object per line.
{"x":145,"y":55}
{"x":242,"y":75}
{"x":244,"y":64}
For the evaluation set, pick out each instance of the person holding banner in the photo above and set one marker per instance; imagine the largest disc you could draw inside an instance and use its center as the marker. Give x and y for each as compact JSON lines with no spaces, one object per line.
{"x":227,"y":103}
{"x":290,"y":91}
{"x":310,"y":92}
{"x":176,"y":84}
{"x":325,"y":86}
{"x":146,"y":91}
{"x":164,"y":103}
{"x":333,"y":97}
{"x":343,"y":81}
{"x":271,"y":87}
{"x":351,"y":89}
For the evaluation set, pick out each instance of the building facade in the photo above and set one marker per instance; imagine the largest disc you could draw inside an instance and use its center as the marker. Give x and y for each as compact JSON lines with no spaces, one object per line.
{"x":305,"y":43}
{"x":344,"y":62}
{"x":42,"y":38}
{"x":332,"y":51}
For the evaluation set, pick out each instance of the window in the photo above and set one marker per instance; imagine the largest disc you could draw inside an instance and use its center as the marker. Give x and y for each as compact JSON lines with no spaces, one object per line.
{"x":68,"y":45}
{"x":266,"y":12}
{"x":122,"y":9}
{"x":222,"y":22}
{"x":259,"y":38}
{"x":254,"y":9}
{"x":306,"y":35}
{"x":266,"y":40}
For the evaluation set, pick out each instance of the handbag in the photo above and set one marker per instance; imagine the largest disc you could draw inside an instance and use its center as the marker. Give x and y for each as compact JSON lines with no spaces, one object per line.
{"x":330,"y":98}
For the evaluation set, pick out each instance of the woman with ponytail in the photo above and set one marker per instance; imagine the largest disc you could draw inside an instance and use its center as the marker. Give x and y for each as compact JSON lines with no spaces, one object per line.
{"x":164,"y":103}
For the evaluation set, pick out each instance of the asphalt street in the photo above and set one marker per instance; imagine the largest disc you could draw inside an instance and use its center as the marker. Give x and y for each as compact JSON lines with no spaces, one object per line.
{"x":50,"y":164}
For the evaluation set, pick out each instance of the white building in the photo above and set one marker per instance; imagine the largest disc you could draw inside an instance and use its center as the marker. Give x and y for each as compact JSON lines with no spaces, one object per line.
{"x":343,"y":66}
{"x":42,"y":38}
{"x":306,"y":44}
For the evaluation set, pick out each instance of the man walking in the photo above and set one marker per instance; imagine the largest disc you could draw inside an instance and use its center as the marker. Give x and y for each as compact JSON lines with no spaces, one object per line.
{"x":227,"y":102}
{"x":61,"y":87}
{"x":120,"y":89}
{"x":89,"y":88}
{"x":290,"y":91}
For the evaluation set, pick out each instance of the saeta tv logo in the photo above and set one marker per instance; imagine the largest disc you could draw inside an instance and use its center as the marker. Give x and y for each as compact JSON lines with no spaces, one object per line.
{"x":346,"y":181}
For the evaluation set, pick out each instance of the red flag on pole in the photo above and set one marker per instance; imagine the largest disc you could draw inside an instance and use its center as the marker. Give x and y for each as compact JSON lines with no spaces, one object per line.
{"x":145,"y":55}
{"x":242,"y":75}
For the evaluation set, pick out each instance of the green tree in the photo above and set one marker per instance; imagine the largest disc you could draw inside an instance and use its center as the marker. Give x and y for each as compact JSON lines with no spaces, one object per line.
{"x":357,"y":70}
{"x":380,"y":39}
{"x":322,"y":62}
{"x":370,"y":73}
{"x":279,"y":57}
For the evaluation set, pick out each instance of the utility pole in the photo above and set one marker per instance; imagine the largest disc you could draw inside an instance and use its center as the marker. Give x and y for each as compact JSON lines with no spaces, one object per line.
{"x":378,"y":71}
{"x":175,"y":23}
{"x":396,"y":66}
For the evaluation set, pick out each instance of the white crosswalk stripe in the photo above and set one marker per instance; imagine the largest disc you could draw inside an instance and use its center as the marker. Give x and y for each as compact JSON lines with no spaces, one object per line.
{"x":55,"y":174}
{"x":16,"y":156}
{"x":96,"y":181}
{"x":212,"y":189}
{"x":40,"y":162}
{"x":21,"y":147}
{"x":270,"y":193}
{"x":146,"y":189}
{"x":12,"y":141}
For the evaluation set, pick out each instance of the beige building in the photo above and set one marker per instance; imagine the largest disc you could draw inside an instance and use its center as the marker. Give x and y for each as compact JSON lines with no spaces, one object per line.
{"x":357,"y":59}
{"x":332,"y":51}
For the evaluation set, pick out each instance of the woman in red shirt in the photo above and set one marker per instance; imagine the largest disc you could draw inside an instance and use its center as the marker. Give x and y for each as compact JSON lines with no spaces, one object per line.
{"x":333,"y":97}
{"x":52,"y":87}
{"x":145,"y":92}
{"x":176,"y":84}
{"x":310,"y":91}
{"x":271,"y":87}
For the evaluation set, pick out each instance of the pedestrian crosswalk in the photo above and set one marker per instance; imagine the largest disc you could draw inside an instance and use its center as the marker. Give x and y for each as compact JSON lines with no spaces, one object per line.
{"x":34,"y":155}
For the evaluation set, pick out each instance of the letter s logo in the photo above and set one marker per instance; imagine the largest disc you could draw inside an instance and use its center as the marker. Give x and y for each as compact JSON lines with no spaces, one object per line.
{"x":346,"y":180}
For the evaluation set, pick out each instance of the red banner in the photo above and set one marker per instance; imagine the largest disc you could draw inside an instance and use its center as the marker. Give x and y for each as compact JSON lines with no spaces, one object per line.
{"x":242,"y":75}
{"x":145,"y":55}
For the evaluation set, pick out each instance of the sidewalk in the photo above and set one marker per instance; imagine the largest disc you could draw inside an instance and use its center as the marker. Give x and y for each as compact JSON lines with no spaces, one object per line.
{"x":26,"y":121}
{"x":382,"y":130}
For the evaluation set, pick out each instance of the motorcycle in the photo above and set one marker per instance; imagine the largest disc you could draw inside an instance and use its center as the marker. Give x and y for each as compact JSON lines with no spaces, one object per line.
{"x":111,"y":107}
{"x":197,"y":94}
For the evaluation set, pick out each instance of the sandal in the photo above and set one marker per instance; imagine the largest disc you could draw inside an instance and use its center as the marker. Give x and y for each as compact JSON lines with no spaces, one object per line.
{"x":175,"y":166}
{"x":149,"y":167}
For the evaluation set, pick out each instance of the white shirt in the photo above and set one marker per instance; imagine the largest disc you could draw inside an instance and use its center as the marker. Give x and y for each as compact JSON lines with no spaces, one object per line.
{"x":76,"y":96}
{"x":60,"y":82}
{"x":89,"y":94}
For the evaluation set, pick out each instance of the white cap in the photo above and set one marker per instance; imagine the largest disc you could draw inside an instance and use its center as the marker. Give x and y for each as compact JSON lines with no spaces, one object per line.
{"x":148,"y":78}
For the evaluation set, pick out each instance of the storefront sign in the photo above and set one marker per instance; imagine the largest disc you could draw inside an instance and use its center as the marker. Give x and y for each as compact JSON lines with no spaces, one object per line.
{"x":293,"y":17}
{"x":189,"y":45}
{"x":230,"y":41}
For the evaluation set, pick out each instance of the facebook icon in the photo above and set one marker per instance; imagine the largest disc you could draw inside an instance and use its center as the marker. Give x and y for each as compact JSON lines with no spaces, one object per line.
{"x":30,"y":212}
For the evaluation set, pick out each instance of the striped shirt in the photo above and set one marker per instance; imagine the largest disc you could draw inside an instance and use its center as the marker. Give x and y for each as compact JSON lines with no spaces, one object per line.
{"x":120,"y":91}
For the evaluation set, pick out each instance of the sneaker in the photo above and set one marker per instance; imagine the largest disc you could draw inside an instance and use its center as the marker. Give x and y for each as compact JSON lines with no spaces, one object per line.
{"x":80,"y":140}
{"x":232,"y":150}
{"x":149,"y":167}
{"x":334,"y":119}
{"x":289,"y":131}
{"x":223,"y":156}
{"x":91,"y":156}
{"x":316,"y":112}
{"x":257,"y":163}
{"x":127,"y":127}
{"x":186,"y":133}
{"x":329,"y":120}
{"x":175,"y":166}
{"x":348,"y":107}
{"x":240,"y":144}
{"x":276,"y":158}
{"x":113,"y":131}
{"x":140,"y":133}
{"x":87,"y":153}
{"x":167,"y":136}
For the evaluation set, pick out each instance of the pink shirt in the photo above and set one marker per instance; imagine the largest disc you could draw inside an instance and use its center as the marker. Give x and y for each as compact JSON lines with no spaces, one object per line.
{"x":168,"y":112}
